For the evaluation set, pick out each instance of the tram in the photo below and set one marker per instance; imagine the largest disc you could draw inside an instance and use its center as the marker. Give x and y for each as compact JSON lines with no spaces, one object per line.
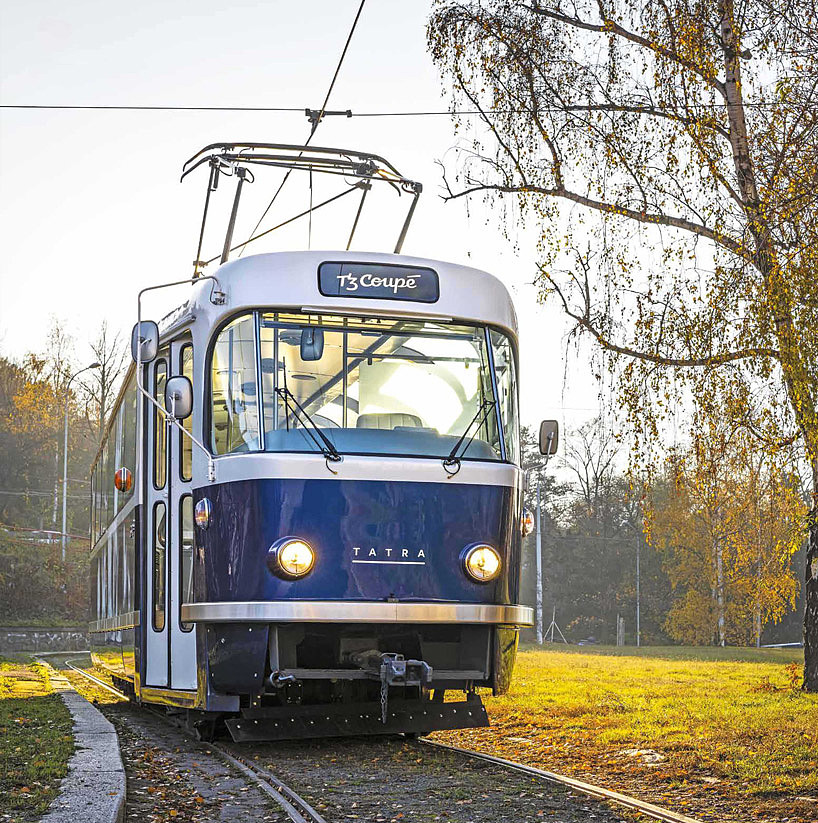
{"x":307,"y":512}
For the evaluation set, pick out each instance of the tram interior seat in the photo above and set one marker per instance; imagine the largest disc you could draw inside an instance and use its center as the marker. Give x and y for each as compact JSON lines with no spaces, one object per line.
{"x":389,"y":420}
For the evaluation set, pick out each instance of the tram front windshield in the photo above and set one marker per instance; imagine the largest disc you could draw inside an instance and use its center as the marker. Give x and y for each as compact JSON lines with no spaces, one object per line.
{"x":371,"y":385}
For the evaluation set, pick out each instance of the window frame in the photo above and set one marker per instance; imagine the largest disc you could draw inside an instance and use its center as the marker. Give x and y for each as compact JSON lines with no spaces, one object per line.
{"x":258,"y":311}
{"x":185,"y":627}
{"x":157,"y":421}
{"x":187,"y":423}
{"x":154,"y":555}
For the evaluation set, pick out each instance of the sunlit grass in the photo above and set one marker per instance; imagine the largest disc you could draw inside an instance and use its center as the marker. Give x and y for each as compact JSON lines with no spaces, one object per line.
{"x":730,"y":718}
{"x":36,"y":741}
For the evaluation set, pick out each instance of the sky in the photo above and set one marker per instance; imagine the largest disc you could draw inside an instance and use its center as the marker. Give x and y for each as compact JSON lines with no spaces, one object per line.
{"x":91,"y":208}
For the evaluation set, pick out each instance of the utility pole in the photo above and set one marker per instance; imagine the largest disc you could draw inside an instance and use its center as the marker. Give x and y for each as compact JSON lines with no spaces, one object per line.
{"x":65,"y":456}
{"x":539,"y":568}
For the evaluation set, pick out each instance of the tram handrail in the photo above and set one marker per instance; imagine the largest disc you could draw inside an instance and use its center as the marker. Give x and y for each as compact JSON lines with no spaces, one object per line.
{"x":169,"y":418}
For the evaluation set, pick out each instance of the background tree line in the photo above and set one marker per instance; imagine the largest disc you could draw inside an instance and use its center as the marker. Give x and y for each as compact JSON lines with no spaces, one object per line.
{"x":718,"y":530}
{"x":35,"y":393}
{"x":719,"y":535}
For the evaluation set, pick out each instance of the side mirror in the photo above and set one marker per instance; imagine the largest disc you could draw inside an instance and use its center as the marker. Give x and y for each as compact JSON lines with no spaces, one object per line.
{"x":312,"y":344}
{"x":145,"y":341}
{"x":179,"y":397}
{"x":549,"y":437}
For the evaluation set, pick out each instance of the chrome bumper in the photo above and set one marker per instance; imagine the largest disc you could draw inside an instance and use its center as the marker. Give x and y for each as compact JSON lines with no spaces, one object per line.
{"x":335,"y":611}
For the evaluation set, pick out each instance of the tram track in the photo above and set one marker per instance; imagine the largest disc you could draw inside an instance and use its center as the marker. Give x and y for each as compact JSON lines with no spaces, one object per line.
{"x":295,"y":806}
{"x":301,"y":811}
{"x":632,"y":803}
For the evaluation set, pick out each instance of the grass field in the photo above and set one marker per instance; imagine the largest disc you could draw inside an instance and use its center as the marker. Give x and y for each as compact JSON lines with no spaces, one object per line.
{"x":36,"y":741}
{"x":721,"y":734}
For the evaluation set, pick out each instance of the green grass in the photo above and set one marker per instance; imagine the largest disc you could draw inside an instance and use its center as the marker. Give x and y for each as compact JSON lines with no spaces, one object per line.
{"x":725,"y":723}
{"x":704,"y":653}
{"x":36,"y":741}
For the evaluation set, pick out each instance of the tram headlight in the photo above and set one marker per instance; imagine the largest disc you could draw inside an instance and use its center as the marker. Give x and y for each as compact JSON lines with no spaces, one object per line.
{"x":527,"y":522}
{"x":481,"y":562}
{"x":291,"y":557}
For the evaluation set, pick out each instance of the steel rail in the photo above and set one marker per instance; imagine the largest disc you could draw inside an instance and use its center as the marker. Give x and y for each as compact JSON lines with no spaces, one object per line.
{"x":298,"y":809}
{"x":296,"y":806}
{"x":649,"y":809}
{"x":96,"y":680}
{"x":264,"y":777}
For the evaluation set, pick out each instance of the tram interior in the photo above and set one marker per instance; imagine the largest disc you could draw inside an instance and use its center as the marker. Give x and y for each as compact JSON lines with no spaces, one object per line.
{"x":372,"y":387}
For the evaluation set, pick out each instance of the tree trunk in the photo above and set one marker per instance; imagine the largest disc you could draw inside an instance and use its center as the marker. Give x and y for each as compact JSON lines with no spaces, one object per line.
{"x":811,"y":592}
{"x":720,"y":590}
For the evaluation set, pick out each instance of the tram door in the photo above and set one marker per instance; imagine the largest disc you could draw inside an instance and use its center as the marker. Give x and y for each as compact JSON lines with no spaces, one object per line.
{"x":171,"y":644}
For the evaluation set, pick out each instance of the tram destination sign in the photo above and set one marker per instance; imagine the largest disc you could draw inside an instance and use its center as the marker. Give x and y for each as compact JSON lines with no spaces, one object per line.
{"x":379,"y":281}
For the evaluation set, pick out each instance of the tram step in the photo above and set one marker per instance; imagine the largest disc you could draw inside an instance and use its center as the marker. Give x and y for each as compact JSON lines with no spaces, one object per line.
{"x":339,"y":720}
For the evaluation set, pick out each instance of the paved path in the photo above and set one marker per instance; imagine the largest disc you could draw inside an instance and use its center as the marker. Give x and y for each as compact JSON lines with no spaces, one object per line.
{"x":93,"y":791}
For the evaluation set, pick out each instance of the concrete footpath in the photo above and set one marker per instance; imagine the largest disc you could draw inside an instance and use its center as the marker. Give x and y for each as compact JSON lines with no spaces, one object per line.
{"x":93,"y":791}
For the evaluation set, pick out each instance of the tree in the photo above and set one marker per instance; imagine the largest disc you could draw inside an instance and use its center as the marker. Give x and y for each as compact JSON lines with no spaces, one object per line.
{"x":28,"y":427}
{"x":728,"y":523}
{"x":101,"y":388}
{"x":684,"y":136}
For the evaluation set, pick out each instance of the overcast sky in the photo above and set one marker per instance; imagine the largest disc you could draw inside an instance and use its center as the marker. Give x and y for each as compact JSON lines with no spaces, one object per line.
{"x":91,"y":208}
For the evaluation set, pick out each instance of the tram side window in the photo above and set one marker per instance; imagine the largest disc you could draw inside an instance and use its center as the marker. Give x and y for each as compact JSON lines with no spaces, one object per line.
{"x":507,"y":391}
{"x":97,"y":499}
{"x":186,"y":549}
{"x":159,"y":564}
{"x":128,"y":458}
{"x":159,"y":427}
{"x":95,"y":587}
{"x":103,"y":581}
{"x":115,"y":578}
{"x":234,"y":391}
{"x":185,"y":443}
{"x":94,"y":508}
{"x":129,"y":537}
{"x":107,"y":484}
{"x":115,"y":436}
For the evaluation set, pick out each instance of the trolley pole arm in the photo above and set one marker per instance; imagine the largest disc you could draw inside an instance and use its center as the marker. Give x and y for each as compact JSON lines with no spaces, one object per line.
{"x":241,"y":173}
{"x":417,"y":188}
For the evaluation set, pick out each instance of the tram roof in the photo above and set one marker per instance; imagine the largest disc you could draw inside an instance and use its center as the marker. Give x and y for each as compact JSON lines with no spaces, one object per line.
{"x":290,"y":279}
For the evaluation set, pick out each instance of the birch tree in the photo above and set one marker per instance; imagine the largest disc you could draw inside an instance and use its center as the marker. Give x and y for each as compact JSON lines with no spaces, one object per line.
{"x":727,"y":525}
{"x":682,"y":135}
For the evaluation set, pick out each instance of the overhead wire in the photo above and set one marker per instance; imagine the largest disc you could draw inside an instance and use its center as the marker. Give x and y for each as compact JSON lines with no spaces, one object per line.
{"x":290,"y":110}
{"x":314,"y":126}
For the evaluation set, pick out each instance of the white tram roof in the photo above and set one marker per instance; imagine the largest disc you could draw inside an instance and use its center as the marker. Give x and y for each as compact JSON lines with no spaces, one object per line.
{"x":290,"y":280}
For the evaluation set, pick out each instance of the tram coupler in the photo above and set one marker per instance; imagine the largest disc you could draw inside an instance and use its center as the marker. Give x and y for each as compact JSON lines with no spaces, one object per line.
{"x":395,"y":670}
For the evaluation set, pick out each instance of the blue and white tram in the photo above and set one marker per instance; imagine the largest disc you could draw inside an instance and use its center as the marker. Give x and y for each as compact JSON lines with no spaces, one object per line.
{"x":319,"y":530}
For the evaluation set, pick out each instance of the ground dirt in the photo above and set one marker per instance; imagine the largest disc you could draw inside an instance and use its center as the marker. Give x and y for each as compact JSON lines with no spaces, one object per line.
{"x":392,"y":779}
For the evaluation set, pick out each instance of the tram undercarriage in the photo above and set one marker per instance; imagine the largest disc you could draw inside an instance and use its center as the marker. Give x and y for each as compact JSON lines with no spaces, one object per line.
{"x":314,"y":680}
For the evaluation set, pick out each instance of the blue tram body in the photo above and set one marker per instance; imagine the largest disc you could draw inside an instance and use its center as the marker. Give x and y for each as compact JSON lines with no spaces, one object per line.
{"x":331,"y":540}
{"x":359,"y":525}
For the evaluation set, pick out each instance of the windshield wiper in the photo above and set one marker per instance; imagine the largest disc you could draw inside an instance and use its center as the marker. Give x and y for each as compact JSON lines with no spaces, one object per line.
{"x":325,"y":445}
{"x":482,"y":413}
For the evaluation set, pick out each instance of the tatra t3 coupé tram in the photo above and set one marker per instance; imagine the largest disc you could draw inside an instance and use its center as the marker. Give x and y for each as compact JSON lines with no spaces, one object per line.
{"x":307,"y":512}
